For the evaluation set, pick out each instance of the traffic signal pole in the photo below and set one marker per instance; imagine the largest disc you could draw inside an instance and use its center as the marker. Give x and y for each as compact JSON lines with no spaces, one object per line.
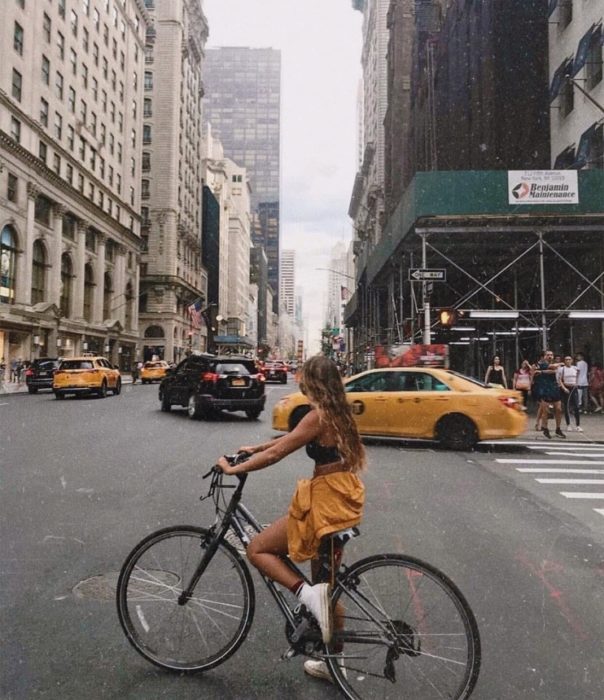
{"x":425,"y":298}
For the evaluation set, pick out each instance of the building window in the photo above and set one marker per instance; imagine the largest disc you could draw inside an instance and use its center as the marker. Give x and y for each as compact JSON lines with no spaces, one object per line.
{"x":147,"y":107}
{"x":82,"y":149}
{"x":95,"y":54}
{"x":107,"y":296}
{"x":122,"y":61}
{"x":114,"y":49}
{"x":42,"y":210}
{"x":150,"y":4}
{"x":145,"y":189}
{"x":12,"y":190}
{"x":111,"y":143}
{"x":85,"y":39}
{"x":46,"y":27}
{"x":66,"y":282}
{"x":58,"y":126}
{"x":146,"y":161}
{"x":93,"y":123}
{"x":42,"y":151}
{"x":110,"y":176}
{"x":145,"y":220}
{"x":43,"y":112}
{"x":74,"y":23}
{"x":38,"y":276}
{"x":85,"y":75}
{"x":95,"y":89}
{"x":148,"y":80}
{"x":18,"y":38}
{"x":61,"y":45}
{"x":91,"y":191}
{"x":17,"y":85}
{"x":86,"y":7}
{"x":69,"y":228}
{"x":90,"y":240}
{"x":105,"y":69}
{"x":565,"y":16}
{"x":119,"y":152}
{"x":567,"y":98}
{"x":61,"y":5}
{"x":103,"y":136}
{"x":45,"y":70}
{"x":88,"y":291}
{"x":81,"y":183}
{"x":113,"y":80}
{"x":120,"y":122}
{"x":56,"y":163}
{"x":8,"y":265}
{"x":106,"y":35}
{"x":59,"y":85}
{"x":133,"y":138}
{"x":96,"y":19}
{"x":132,"y":196}
{"x":146,"y":133}
{"x":132,"y":167}
{"x":83,"y":111}
{"x":71,"y":100}
{"x":134,"y":110}
{"x":69,"y":173}
{"x":118,"y":183}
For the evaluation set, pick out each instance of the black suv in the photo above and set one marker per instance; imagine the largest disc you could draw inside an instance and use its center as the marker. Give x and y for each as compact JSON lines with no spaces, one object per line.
{"x":207,"y":383}
{"x":40,"y":373}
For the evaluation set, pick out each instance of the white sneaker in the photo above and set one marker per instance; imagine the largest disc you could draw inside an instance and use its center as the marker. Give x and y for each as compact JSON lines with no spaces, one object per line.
{"x":316,"y":599}
{"x":579,"y":429}
{"x":569,"y":429}
{"x":320,"y":669}
{"x":317,"y":669}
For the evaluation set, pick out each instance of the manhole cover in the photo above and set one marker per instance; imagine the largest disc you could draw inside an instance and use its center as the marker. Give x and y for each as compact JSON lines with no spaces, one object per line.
{"x":103,"y":587}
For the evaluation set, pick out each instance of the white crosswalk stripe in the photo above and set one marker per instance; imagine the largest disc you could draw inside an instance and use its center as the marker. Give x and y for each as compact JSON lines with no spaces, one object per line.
{"x":572,"y":462}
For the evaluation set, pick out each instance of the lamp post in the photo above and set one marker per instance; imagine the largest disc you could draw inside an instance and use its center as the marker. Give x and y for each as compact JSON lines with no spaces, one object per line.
{"x":211,"y":324}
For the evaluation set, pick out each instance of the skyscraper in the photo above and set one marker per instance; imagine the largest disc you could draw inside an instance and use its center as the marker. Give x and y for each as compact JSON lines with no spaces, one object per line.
{"x":242,"y":103}
{"x":288,"y":281}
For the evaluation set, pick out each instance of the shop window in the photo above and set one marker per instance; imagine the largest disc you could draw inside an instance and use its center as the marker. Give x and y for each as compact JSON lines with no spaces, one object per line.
{"x":88,"y":291}
{"x":42,"y":210}
{"x":38,"y":277}
{"x":66,"y":285}
{"x":8,"y":265}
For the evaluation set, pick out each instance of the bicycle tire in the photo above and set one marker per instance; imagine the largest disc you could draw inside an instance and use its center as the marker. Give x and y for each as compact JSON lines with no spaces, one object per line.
{"x":205,"y":631}
{"x":434,"y":643}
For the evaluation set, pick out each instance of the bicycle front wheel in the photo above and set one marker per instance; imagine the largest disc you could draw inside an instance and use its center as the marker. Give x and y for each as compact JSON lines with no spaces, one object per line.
{"x":408,"y":633}
{"x":210,"y":626}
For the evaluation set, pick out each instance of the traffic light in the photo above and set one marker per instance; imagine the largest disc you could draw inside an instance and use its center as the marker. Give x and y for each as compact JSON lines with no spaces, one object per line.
{"x":447,"y":317}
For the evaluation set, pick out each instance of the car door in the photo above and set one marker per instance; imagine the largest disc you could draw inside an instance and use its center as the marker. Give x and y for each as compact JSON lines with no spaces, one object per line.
{"x":423,"y":400}
{"x":177,"y":389}
{"x":367,"y":397}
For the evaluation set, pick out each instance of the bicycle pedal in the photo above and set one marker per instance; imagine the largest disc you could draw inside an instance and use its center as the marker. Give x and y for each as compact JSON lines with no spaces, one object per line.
{"x":289,"y":654}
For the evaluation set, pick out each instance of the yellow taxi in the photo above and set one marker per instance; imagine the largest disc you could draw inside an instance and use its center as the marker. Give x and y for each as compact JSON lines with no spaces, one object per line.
{"x":154,"y":371}
{"x":421,"y":403}
{"x":86,"y":375}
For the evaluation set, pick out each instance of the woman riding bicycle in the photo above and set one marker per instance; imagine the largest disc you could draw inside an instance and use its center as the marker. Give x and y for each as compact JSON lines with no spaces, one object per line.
{"x":332,"y":500}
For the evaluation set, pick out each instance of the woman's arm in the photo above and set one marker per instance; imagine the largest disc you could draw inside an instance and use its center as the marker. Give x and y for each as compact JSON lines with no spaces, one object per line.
{"x":253,"y":449}
{"x":487,"y":375}
{"x":306,"y":431}
{"x":503,"y":377}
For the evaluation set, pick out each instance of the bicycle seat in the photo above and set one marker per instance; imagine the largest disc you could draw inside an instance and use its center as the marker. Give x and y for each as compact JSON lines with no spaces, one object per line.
{"x":344,"y":535}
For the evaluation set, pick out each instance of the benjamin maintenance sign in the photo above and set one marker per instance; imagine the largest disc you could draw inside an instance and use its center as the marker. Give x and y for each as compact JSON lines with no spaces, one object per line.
{"x":543,"y":187}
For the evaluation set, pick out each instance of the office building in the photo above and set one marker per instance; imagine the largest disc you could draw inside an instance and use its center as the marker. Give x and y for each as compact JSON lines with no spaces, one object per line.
{"x":242,"y":103}
{"x":71,"y":97}
{"x":172,"y":276}
{"x":288,"y":281}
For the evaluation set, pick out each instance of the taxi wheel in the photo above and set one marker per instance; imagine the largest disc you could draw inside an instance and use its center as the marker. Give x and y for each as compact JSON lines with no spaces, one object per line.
{"x":118,"y":387}
{"x":59,"y":395}
{"x":102,"y":392}
{"x":456,"y":432}
{"x":253,"y":413}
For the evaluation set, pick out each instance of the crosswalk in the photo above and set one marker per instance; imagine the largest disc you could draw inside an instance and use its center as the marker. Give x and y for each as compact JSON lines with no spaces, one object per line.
{"x":576,"y":468}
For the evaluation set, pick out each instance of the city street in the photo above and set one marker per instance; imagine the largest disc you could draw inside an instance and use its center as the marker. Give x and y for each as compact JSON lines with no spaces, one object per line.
{"x":83,"y":480}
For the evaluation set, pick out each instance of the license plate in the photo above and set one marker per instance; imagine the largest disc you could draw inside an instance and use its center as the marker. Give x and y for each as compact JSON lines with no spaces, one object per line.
{"x":43,"y":374}
{"x":238,"y":382}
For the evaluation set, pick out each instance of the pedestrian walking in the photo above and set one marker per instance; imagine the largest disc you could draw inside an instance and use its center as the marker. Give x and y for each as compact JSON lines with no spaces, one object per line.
{"x":596,"y":387}
{"x":135,"y":372}
{"x":568,"y":375}
{"x":496,"y":374}
{"x":550,"y":393}
{"x":13,"y":370}
{"x":583,"y":382}
{"x":521,"y":380}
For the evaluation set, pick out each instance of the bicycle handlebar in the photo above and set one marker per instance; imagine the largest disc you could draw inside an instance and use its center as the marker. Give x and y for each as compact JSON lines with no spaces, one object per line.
{"x":217,"y":474}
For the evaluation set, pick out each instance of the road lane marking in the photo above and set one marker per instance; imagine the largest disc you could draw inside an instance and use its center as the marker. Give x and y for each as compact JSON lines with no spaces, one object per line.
{"x":576,"y":454}
{"x":549,"y":461}
{"x":570,"y":481}
{"x":565,"y":446}
{"x":557,"y":470}
{"x":582,"y":494}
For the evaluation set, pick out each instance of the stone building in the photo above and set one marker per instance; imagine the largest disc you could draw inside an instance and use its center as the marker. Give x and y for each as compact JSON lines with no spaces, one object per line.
{"x":172,"y":276}
{"x":71,"y":96}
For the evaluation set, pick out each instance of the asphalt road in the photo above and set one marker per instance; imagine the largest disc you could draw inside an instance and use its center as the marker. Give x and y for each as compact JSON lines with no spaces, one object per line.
{"x":83,"y":480}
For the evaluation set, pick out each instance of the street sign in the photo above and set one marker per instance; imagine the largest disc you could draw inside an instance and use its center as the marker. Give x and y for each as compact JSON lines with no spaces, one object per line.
{"x":419,"y":274}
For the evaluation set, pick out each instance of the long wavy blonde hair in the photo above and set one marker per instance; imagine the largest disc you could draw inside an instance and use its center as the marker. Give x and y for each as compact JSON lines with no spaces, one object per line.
{"x":321,"y":382}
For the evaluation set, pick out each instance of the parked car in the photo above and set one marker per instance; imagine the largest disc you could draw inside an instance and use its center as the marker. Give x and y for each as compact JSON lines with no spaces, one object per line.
{"x":424,"y":403}
{"x":39,"y":374}
{"x":86,"y":375}
{"x":154,"y":371}
{"x":275,"y":372}
{"x":207,"y":383}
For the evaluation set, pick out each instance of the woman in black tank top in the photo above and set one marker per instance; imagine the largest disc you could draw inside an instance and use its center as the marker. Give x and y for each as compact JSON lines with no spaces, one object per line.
{"x":496,"y":374}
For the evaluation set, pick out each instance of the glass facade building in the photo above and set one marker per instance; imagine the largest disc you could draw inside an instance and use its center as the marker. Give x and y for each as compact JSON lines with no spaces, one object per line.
{"x":243,"y":105}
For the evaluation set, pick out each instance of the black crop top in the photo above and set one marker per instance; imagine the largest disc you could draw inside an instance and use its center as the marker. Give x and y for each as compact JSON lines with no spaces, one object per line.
{"x":322,"y":454}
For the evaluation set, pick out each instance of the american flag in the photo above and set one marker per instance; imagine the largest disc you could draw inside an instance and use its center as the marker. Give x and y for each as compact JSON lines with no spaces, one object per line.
{"x":195,"y":313}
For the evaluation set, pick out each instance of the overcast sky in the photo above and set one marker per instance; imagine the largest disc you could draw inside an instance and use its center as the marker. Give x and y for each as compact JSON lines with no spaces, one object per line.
{"x":320,"y":43}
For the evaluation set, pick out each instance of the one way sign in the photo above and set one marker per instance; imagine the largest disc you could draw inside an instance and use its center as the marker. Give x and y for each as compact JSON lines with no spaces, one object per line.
{"x":419,"y":274}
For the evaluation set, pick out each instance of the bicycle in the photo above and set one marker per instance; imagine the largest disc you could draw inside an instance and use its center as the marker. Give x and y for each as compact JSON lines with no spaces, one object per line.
{"x":185,"y":600}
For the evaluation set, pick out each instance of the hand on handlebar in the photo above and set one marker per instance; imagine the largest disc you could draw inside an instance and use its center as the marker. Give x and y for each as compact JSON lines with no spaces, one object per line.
{"x":226,"y":468}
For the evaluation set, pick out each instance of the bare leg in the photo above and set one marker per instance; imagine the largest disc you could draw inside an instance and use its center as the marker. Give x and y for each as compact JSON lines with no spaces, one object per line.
{"x":266,"y":548}
{"x":544,"y":414}
{"x":558,"y":414}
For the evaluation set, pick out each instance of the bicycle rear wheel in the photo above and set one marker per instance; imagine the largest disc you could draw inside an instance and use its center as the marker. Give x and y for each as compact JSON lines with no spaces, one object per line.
{"x":206,"y":630}
{"x":409,"y":633}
